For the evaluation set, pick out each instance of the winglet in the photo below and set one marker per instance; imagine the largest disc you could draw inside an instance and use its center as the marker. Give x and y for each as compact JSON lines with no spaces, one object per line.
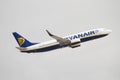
{"x":49,"y":33}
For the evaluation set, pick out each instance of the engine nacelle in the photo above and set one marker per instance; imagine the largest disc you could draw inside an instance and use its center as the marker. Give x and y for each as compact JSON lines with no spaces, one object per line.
{"x":75,"y":43}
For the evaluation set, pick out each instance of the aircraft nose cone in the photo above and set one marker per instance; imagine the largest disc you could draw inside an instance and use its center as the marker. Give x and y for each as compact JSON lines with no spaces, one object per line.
{"x":109,"y":31}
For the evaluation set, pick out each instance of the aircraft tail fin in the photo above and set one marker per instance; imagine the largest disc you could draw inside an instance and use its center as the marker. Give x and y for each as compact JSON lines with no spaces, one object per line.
{"x":22,"y":41}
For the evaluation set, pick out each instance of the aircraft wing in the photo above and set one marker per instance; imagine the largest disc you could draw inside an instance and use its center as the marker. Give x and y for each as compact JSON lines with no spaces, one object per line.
{"x":61,"y":40}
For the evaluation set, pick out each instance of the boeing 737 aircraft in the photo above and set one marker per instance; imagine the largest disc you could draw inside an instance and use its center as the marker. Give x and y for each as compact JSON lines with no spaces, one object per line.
{"x":71,"y":41}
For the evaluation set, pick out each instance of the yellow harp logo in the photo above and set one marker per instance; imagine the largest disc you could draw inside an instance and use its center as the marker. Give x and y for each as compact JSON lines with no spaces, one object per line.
{"x":21,"y":41}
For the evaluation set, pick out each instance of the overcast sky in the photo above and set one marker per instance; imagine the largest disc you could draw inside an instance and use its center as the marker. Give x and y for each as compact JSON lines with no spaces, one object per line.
{"x":94,"y":60}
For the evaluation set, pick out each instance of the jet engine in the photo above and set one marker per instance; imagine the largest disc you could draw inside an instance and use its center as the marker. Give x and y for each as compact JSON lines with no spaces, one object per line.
{"x":75,"y":43}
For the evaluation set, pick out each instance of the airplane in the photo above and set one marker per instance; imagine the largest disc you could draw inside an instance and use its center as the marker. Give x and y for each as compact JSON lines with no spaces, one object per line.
{"x":71,"y":41}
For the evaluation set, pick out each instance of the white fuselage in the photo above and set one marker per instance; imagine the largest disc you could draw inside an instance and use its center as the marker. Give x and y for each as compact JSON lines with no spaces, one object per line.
{"x":83,"y":36}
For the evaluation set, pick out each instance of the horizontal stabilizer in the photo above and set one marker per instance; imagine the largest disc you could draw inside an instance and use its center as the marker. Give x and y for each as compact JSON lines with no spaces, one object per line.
{"x":21,"y":48}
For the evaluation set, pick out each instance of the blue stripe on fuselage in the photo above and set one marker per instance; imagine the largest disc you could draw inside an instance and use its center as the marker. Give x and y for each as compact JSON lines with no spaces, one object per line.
{"x":49,"y":48}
